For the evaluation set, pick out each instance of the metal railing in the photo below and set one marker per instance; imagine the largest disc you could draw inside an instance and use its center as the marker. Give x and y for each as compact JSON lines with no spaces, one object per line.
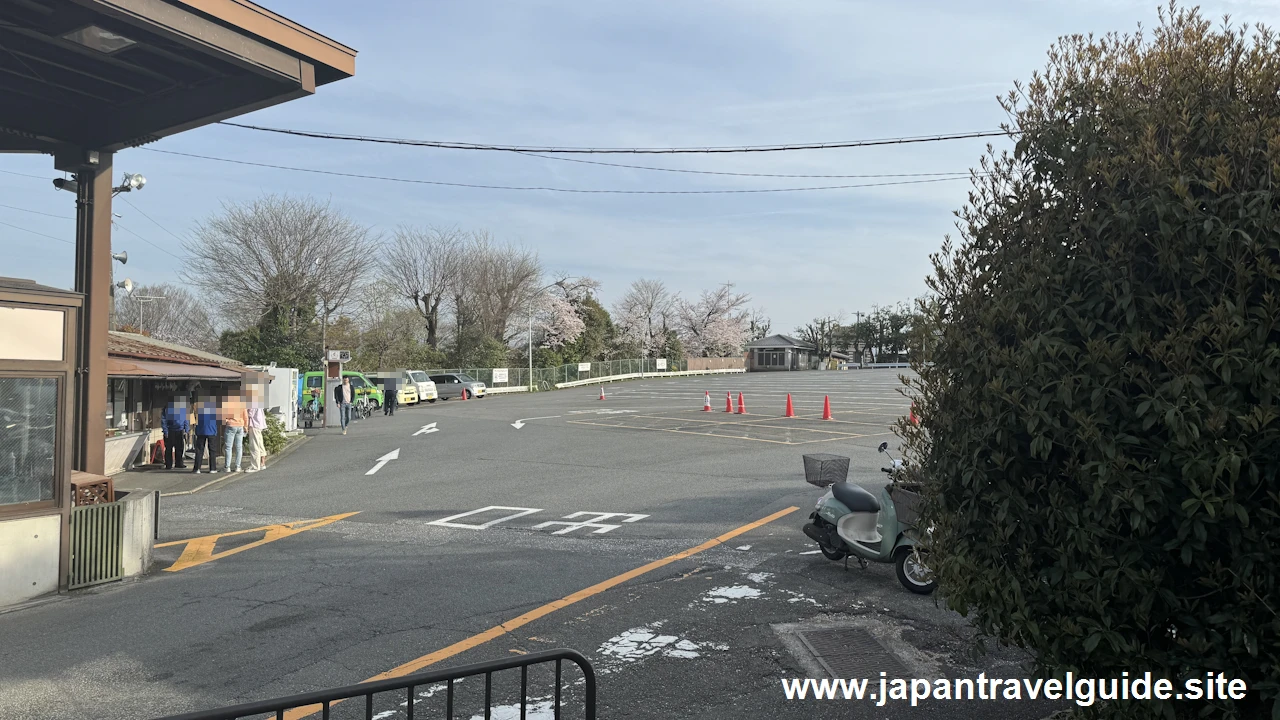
{"x":323,"y":702}
{"x":543,"y":377}
{"x":97,"y":544}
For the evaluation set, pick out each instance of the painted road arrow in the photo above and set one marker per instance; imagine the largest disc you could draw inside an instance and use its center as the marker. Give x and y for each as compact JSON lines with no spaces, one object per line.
{"x":521,"y":422}
{"x":427,"y":429}
{"x":393,"y":455}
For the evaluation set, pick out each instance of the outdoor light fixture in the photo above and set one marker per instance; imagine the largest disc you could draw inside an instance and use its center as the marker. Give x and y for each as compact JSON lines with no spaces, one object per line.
{"x":100,"y":39}
{"x":68,"y":185}
{"x":131,"y":182}
{"x":126,"y":285}
{"x":122,"y":256}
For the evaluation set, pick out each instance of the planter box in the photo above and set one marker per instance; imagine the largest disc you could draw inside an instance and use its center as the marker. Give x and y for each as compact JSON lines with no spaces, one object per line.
{"x":824,"y":470}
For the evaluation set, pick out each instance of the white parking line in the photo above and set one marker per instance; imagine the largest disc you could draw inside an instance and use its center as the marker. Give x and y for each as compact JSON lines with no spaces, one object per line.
{"x":449,"y":521}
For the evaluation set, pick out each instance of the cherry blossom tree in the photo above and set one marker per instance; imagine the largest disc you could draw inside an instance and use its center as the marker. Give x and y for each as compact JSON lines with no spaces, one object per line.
{"x":717,"y":324}
{"x":645,"y":315}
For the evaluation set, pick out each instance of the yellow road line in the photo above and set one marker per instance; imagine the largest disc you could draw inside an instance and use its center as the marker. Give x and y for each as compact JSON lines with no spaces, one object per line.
{"x":199,"y":551}
{"x":499,"y":630}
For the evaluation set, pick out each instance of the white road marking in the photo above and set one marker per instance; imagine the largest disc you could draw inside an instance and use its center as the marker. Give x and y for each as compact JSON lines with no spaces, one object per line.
{"x":811,"y":552}
{"x":449,"y":521}
{"x":427,"y":429}
{"x":597,"y":522}
{"x":393,"y":455}
{"x":521,"y":422}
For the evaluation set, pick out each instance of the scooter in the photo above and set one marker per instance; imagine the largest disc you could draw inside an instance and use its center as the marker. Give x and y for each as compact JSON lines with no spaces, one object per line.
{"x":848,"y":520}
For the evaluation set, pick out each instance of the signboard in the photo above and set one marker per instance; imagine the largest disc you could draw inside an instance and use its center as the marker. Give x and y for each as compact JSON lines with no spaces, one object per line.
{"x":343,"y":356}
{"x":499,"y":375}
{"x":584,"y":367}
{"x":662,"y":363}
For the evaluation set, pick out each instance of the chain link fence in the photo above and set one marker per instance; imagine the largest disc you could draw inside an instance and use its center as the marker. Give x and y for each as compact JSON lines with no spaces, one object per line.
{"x":546,"y":378}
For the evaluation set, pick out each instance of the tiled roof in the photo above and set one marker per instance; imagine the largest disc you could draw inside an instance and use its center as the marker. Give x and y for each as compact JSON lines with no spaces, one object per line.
{"x":122,"y":344}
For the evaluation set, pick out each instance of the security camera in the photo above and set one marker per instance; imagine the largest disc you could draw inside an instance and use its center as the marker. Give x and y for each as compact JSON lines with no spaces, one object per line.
{"x":68,"y":185}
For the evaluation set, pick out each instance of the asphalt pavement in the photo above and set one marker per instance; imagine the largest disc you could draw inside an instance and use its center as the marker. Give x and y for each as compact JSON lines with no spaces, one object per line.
{"x":446,"y":534}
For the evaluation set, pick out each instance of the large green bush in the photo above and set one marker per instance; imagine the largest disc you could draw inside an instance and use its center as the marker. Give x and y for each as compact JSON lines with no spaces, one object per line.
{"x":1100,"y":425}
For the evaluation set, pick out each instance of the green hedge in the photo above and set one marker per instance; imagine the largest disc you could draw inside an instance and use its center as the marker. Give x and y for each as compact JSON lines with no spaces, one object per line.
{"x":1101,"y":433}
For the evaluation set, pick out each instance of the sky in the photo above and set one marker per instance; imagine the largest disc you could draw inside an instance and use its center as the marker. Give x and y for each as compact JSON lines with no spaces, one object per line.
{"x":663,"y":73}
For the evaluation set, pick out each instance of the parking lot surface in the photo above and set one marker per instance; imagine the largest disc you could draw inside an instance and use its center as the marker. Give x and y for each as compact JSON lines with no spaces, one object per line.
{"x":661,"y":540}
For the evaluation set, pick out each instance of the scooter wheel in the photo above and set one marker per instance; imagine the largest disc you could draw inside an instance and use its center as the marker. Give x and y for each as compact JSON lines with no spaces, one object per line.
{"x":913,"y":574}
{"x":832,"y":553}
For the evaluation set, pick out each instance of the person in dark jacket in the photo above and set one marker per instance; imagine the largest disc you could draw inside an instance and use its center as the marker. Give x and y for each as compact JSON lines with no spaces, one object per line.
{"x":390,"y":396}
{"x":344,"y":395}
{"x":206,"y":431}
{"x":175,"y":425}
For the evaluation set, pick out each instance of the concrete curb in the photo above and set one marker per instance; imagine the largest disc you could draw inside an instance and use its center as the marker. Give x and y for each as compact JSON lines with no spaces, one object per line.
{"x":271,"y":460}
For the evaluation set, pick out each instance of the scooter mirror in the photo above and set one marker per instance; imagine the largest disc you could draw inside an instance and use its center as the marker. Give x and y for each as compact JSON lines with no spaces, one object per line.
{"x":883,"y":446}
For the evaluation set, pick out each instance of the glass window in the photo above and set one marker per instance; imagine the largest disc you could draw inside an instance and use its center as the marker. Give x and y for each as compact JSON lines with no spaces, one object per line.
{"x":465,"y":378}
{"x":315,"y":381}
{"x":357,"y":382}
{"x":28,"y":426}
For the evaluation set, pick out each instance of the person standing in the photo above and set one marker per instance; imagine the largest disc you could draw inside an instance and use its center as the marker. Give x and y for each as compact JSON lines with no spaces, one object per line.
{"x":344,"y":395}
{"x":236,"y":420}
{"x":206,"y":431}
{"x":391,"y":397}
{"x":257,"y":424}
{"x":175,"y":426}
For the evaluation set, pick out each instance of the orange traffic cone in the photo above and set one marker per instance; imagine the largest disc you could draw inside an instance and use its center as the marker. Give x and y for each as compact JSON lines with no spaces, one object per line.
{"x":742,"y":409}
{"x":601,"y":392}
{"x":462,"y":395}
{"x":826,"y":407}
{"x":706,"y":402}
{"x":791,"y":412}
{"x":728,"y":402}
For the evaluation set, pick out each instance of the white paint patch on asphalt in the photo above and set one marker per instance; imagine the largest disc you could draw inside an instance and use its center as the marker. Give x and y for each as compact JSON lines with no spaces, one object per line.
{"x":536,"y":709}
{"x":638,"y":643}
{"x":743,"y":547}
{"x":759,"y":577}
{"x":811,"y":552}
{"x":731,"y":593}
{"x":799,"y":597}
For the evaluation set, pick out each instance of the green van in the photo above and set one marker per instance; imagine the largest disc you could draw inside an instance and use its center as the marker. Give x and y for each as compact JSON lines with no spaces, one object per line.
{"x":312,"y":385}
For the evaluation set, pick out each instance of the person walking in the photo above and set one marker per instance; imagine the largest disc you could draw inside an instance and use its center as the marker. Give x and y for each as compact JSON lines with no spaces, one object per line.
{"x":236,"y":421}
{"x":344,"y":395}
{"x":257,"y":424}
{"x":206,"y":431}
{"x":175,"y":426}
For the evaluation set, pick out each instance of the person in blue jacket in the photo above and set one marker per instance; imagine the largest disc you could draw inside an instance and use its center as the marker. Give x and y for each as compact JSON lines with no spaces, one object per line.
{"x":206,"y":430}
{"x":175,"y":425}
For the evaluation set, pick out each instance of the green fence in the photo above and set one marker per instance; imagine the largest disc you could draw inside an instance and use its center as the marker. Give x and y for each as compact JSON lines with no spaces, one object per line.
{"x":97,"y":544}
{"x":546,"y":378}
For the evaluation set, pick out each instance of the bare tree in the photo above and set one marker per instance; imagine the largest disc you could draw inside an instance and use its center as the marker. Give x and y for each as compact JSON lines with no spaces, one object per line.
{"x":758,"y":324}
{"x":278,"y":252}
{"x":715,"y":325}
{"x":645,"y":314}
{"x":167,"y":312}
{"x":496,"y":281}
{"x":422,"y":265}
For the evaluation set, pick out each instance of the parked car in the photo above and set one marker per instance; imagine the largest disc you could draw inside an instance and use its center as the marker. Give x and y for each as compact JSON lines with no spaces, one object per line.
{"x":457,"y":384}
{"x":406,"y":392}
{"x":312,"y":385}
{"x":426,"y":389}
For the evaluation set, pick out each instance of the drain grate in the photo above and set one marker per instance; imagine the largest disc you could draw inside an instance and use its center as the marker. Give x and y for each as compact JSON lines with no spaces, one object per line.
{"x":852,"y":653}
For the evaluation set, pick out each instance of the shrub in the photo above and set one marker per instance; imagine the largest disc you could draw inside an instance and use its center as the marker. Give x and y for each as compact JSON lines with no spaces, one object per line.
{"x":1100,"y":429}
{"x":273,"y":437}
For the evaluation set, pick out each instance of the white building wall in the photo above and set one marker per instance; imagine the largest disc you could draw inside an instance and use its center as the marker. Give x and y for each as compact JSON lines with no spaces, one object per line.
{"x":29,"y":558}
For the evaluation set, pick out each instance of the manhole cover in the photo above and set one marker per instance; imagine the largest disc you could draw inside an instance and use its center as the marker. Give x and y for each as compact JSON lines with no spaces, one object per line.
{"x":852,"y":653}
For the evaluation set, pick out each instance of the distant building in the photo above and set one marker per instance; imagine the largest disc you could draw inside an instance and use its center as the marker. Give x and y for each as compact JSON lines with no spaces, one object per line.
{"x":781,"y":352}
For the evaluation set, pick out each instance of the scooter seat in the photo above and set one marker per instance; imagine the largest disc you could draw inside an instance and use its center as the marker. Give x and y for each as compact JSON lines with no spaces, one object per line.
{"x":855,"y":498}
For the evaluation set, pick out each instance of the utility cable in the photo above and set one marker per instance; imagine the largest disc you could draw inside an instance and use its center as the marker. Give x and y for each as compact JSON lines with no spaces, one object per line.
{"x":33,"y":232}
{"x":549,"y":189}
{"x":166,"y":252}
{"x":153,"y":220}
{"x":37,"y":212}
{"x":639,"y":151}
{"x":733,"y":174}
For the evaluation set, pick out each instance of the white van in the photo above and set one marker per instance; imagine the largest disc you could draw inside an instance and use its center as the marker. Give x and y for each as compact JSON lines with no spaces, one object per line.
{"x":419,"y":379}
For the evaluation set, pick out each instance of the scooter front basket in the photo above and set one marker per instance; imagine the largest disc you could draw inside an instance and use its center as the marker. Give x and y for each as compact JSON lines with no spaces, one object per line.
{"x":825,"y":470}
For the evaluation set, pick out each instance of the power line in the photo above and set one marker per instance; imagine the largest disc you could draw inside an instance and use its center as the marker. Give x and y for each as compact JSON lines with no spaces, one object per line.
{"x":166,"y":252}
{"x":33,"y":232}
{"x":153,"y":221}
{"x":548,"y":189}
{"x":734,"y":174}
{"x":37,"y":212}
{"x":638,"y":151}
{"x":38,"y":177}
